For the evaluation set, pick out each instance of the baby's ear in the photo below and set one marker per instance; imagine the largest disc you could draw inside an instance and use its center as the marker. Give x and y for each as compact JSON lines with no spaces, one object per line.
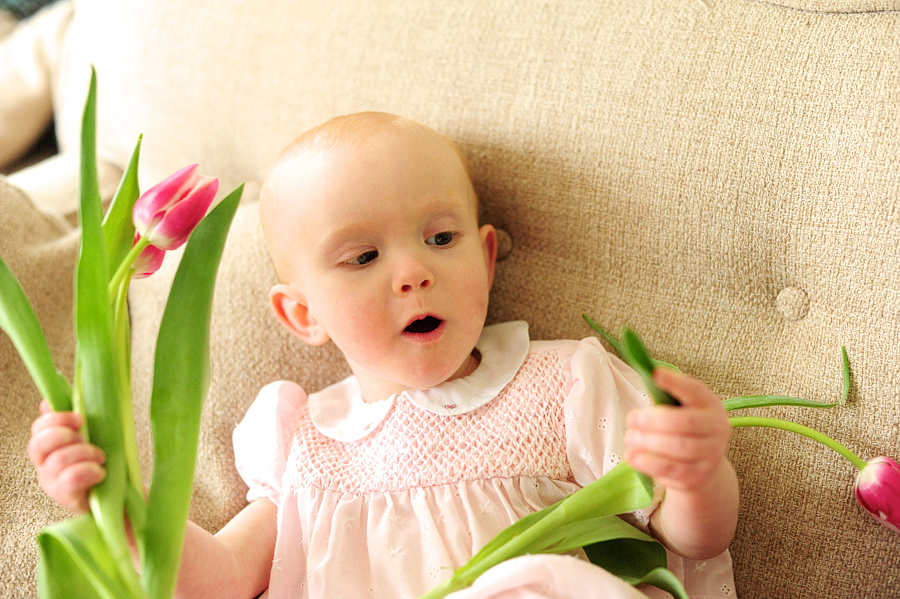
{"x":292,"y":311}
{"x":489,"y":246}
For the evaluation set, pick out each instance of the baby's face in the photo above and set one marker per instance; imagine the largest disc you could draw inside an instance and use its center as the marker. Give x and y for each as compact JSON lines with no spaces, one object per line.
{"x":391,"y":260}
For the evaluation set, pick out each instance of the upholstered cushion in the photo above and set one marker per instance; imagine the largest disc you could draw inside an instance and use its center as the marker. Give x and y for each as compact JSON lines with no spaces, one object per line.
{"x":721,"y":175}
{"x":29,"y":62}
{"x":40,"y":250}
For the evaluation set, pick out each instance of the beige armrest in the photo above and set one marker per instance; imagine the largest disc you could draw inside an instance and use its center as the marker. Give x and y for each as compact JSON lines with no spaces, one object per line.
{"x":30,"y":56}
{"x":53,"y":184}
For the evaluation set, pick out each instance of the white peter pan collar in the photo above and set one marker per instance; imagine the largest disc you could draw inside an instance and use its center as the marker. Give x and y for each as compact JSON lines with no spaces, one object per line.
{"x":340,"y":413}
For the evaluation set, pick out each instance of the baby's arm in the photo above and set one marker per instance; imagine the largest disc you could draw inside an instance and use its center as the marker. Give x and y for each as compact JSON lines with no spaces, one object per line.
{"x":684,"y":448}
{"x":235,"y":562}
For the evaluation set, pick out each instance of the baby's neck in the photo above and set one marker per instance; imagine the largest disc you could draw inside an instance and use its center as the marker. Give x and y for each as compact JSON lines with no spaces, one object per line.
{"x":375,"y":389}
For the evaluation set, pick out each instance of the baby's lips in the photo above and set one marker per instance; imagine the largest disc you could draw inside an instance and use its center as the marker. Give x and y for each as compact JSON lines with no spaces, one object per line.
{"x":423,"y":324}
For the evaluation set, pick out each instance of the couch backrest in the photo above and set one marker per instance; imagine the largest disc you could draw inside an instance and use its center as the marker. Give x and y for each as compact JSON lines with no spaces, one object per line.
{"x":722,"y":175}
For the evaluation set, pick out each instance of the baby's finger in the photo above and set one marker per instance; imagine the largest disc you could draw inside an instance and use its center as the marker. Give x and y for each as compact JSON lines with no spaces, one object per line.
{"x":70,"y":488}
{"x":678,"y":420}
{"x":52,"y":419}
{"x":49,"y":439}
{"x":676,"y":447}
{"x":689,"y":391}
{"x":70,"y":455}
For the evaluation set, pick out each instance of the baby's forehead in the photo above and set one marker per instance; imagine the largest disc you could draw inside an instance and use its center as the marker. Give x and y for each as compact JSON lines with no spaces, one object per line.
{"x":393,"y":142}
{"x":381,"y":152}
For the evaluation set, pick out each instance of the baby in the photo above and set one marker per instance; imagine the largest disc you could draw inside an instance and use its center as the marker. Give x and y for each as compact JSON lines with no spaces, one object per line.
{"x":448,"y":431}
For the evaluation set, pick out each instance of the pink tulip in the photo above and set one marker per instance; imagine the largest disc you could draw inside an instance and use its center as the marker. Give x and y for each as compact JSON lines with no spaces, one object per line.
{"x":167,"y":213}
{"x":877,"y":489}
{"x":148,"y":262}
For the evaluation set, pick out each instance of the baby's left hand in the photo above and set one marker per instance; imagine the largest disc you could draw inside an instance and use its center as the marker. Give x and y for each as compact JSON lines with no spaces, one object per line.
{"x":681,"y":447}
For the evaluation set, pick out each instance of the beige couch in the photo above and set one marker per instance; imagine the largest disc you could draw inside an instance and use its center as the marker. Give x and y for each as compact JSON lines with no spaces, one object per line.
{"x":722,"y":175}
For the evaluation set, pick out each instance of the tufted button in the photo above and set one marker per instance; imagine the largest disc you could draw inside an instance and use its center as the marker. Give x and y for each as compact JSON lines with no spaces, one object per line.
{"x":504,"y":245}
{"x":792,"y":303}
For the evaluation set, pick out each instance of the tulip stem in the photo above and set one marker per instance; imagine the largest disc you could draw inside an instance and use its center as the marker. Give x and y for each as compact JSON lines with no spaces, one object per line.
{"x":125,"y":268}
{"x":793,"y":427}
{"x":123,"y":361}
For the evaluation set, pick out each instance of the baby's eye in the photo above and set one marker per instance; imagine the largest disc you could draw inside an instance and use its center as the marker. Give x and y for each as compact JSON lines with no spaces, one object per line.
{"x":363,"y":258}
{"x":442,"y":238}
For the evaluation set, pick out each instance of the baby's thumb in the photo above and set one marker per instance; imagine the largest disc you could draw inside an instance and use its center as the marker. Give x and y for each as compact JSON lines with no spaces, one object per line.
{"x":689,"y":391}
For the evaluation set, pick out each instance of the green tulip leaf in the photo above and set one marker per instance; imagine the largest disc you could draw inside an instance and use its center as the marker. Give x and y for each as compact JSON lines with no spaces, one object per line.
{"x":118,"y":236}
{"x":506,"y":535}
{"x":635,"y":354}
{"x":620,"y":490}
{"x":613,"y":342}
{"x":118,"y":228}
{"x":617,"y":345}
{"x":628,"y":558}
{"x":74,"y":563}
{"x":764,"y":401}
{"x":663,"y":578}
{"x":636,"y":561}
{"x":590,"y":531}
{"x":96,"y":393}
{"x":180,"y":384}
{"x":18,"y":320}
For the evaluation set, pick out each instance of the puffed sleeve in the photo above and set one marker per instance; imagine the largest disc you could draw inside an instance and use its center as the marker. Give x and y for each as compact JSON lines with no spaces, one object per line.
{"x":602,"y":390}
{"x":262,"y":441}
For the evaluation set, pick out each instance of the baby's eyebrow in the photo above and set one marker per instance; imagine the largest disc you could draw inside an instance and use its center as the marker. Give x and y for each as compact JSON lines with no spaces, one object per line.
{"x":445,"y":209}
{"x":335,"y":240}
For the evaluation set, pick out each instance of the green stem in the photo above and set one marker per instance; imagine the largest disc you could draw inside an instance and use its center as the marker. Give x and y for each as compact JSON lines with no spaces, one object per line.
{"x":123,"y":362}
{"x":793,"y":427}
{"x":78,"y":397}
{"x":123,"y":273}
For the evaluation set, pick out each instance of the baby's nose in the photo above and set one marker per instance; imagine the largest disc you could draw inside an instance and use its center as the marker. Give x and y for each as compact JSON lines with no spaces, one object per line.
{"x":411,"y":276}
{"x":406,"y":288}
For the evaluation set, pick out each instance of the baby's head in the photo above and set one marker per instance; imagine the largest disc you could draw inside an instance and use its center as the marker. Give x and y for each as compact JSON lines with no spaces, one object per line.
{"x":372,"y":222}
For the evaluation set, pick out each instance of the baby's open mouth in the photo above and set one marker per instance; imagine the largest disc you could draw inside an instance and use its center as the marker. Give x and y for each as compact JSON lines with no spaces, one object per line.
{"x":423,"y":325}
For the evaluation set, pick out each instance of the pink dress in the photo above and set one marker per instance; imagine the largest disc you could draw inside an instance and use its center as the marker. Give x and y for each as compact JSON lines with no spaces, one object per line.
{"x":386,"y":499}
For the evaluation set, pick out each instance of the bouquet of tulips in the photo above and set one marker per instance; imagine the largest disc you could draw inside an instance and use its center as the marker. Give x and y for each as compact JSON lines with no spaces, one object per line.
{"x":588,"y":518}
{"x":90,"y":556}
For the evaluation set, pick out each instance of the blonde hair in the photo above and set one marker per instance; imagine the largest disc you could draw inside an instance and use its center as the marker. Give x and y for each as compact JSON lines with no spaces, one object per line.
{"x":331,"y":141}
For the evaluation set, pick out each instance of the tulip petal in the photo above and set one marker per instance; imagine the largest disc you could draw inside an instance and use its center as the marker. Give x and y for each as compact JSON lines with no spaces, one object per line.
{"x":877,"y":489}
{"x":148,"y":262}
{"x":153,"y":203}
{"x":176,"y":225}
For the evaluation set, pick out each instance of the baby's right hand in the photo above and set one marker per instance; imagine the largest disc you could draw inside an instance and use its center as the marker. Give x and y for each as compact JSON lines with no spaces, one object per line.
{"x":66,"y":465}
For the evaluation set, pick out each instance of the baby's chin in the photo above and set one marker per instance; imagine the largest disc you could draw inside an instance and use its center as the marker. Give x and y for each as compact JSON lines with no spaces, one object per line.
{"x":427,"y":380}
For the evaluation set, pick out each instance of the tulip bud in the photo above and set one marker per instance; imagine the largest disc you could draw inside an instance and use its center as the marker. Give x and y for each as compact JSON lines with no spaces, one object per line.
{"x":877,"y":489}
{"x":148,"y":262}
{"x":166,"y":214}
